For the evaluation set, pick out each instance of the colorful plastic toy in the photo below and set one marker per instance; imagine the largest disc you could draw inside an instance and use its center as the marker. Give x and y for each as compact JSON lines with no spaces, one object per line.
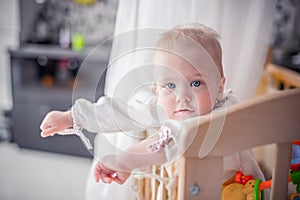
{"x":245,"y":187}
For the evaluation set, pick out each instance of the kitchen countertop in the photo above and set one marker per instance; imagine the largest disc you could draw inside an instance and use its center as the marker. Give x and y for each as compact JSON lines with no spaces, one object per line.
{"x":55,"y":52}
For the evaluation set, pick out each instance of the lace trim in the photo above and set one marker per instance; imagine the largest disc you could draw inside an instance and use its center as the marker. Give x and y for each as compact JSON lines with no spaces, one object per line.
{"x":165,"y":137}
{"x":77,"y":130}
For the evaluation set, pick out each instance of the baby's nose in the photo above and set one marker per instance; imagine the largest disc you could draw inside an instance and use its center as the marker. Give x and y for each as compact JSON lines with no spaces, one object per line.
{"x":183,"y":95}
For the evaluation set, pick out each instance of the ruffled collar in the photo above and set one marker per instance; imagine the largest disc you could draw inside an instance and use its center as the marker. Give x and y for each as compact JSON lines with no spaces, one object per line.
{"x":227,"y":100}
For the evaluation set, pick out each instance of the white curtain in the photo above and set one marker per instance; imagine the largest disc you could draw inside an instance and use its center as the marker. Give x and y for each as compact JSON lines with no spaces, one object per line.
{"x":245,"y":28}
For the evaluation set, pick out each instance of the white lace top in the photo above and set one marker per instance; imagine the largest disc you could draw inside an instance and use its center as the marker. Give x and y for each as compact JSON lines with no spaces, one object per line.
{"x":109,"y":115}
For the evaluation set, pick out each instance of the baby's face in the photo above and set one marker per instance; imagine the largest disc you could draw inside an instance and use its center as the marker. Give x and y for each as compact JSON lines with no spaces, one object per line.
{"x":182,"y":90}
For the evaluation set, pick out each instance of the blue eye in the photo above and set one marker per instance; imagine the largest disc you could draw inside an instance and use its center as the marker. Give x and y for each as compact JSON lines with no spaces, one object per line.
{"x":170,"y":85}
{"x":196,"y":83}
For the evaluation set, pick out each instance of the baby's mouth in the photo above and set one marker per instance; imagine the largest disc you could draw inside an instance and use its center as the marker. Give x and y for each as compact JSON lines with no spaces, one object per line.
{"x":184,"y":110}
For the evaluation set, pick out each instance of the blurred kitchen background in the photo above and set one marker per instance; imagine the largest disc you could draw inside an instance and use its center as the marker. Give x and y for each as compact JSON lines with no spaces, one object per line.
{"x":42,"y":45}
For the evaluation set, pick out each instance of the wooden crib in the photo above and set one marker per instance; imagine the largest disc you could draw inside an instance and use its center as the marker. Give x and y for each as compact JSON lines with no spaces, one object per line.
{"x":274,"y":118}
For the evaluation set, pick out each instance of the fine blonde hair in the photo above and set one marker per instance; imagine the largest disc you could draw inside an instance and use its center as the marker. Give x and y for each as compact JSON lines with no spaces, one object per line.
{"x":203,"y":35}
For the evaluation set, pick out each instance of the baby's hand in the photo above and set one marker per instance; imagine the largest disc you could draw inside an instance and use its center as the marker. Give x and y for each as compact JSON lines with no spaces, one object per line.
{"x":56,"y":121}
{"x":111,"y":169}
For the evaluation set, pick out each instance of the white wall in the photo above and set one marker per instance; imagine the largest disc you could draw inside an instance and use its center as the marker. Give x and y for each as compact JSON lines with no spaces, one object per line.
{"x":9,"y":37}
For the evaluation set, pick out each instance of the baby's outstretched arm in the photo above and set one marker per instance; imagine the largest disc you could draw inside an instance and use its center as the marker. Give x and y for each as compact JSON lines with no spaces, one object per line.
{"x":56,"y":121}
{"x":106,"y":115}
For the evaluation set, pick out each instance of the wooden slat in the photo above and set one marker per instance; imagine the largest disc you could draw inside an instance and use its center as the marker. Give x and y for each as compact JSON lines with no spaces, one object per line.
{"x":284,"y":75}
{"x":280,"y":171}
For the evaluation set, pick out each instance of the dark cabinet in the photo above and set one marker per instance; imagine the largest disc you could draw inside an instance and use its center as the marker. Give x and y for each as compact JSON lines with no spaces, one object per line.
{"x":45,"y":78}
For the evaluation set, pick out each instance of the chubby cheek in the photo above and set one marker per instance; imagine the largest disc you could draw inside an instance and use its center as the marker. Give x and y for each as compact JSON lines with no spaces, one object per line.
{"x":167,"y":102}
{"x":205,"y":104}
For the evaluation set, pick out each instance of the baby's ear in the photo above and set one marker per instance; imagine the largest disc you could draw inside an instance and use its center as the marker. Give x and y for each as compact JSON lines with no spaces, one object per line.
{"x":154,"y":88}
{"x":221,"y":88}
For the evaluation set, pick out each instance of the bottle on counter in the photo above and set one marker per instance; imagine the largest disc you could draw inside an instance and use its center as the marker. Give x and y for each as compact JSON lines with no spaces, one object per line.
{"x":78,"y":42}
{"x":65,"y":35}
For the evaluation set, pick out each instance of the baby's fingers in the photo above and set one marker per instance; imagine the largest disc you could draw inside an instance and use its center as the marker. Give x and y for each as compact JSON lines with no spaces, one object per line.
{"x":105,"y":177}
{"x":121,"y":178}
{"x":97,"y":176}
{"x":49,"y":131}
{"x":100,"y":172}
{"x":119,"y":181}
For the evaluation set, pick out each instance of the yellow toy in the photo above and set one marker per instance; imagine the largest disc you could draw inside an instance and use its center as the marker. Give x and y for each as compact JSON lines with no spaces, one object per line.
{"x":238,"y":191}
{"x":85,"y":2}
{"x":241,"y":187}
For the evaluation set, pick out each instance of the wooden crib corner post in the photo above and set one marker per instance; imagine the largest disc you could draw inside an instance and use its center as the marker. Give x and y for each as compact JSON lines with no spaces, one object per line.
{"x":197,"y":177}
{"x":281,"y":171}
{"x":181,"y":178}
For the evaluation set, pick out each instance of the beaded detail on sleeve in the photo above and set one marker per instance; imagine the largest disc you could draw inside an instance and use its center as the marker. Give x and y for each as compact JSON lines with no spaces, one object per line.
{"x":165,"y":137}
{"x":77,"y":130}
